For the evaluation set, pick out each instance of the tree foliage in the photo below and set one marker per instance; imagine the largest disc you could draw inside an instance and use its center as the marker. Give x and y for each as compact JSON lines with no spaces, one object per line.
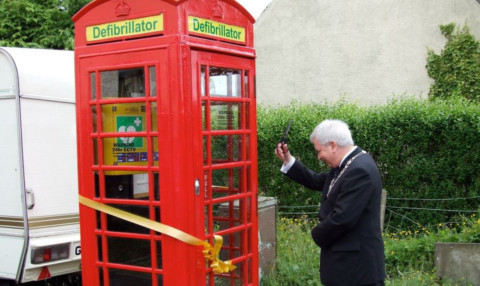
{"x":456,"y":70}
{"x":38,"y":23}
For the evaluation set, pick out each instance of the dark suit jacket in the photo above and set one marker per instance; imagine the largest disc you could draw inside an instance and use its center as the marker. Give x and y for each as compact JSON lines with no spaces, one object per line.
{"x":348,"y":232}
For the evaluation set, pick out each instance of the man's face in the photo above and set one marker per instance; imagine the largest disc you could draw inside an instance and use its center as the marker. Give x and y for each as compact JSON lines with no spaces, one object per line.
{"x":325,"y":152}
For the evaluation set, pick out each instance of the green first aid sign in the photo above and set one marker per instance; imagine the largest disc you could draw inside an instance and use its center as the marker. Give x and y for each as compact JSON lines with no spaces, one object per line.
{"x":129,"y":124}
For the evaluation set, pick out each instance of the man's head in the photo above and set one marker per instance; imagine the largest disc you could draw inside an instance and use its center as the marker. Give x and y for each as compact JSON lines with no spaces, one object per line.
{"x":332,"y":140}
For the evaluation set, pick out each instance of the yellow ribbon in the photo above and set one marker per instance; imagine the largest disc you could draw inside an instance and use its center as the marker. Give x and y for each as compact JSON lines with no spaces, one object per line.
{"x":210,"y":253}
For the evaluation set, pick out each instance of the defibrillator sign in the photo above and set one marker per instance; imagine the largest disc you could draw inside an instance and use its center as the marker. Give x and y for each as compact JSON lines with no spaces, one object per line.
{"x":216,"y":29}
{"x":133,"y":27}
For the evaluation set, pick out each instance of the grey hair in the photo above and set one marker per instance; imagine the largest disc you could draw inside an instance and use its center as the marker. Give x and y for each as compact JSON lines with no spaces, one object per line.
{"x":332,"y":130}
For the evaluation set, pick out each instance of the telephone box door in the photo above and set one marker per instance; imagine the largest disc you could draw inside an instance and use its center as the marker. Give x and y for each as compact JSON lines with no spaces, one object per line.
{"x":224,"y":97}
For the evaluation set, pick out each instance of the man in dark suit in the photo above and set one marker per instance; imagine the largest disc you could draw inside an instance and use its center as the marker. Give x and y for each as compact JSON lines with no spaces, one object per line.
{"x":348,"y":231}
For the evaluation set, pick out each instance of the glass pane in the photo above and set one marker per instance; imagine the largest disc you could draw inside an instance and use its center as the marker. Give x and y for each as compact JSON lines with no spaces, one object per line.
{"x":156,"y":191}
{"x":94,"y":118}
{"x":226,"y":182}
{"x":155,"y":150}
{"x":226,"y":279}
{"x":123,"y":83}
{"x":129,"y":251}
{"x":127,"y":186}
{"x":96,"y":177}
{"x":124,"y":151}
{"x":153,"y":112}
{"x":93,"y":86}
{"x":153,"y":81}
{"x":204,"y":115}
{"x":95,"y":151}
{"x":225,"y":82}
{"x":228,"y":214}
{"x":226,"y":148}
{"x":159,"y":256}
{"x":120,"y":225}
{"x":100,"y":247}
{"x":205,"y":150}
{"x":208,"y":218}
{"x":98,"y":215}
{"x":124,"y":117}
{"x":225,"y":116}
{"x":160,"y":280}
{"x":203,"y":81}
{"x":119,"y":277}
{"x":249,"y":268}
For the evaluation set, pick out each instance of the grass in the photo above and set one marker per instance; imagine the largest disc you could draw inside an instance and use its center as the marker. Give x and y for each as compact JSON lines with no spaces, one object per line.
{"x":409,"y":254}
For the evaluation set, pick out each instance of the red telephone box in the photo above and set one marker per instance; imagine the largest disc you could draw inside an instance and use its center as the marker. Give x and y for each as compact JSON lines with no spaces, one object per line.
{"x":167,"y":131}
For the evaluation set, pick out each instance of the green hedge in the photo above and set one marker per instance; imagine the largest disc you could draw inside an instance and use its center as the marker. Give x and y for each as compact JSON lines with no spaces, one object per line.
{"x":424,"y":149}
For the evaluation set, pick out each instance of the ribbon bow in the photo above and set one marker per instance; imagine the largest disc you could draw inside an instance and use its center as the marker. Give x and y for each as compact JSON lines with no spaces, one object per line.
{"x":211,"y":253}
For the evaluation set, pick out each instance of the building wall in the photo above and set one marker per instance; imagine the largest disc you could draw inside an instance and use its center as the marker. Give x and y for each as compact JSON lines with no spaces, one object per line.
{"x":365,"y":51}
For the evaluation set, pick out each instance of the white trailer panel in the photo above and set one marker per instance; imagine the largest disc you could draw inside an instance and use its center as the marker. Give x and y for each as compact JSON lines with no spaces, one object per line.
{"x":38,"y":166}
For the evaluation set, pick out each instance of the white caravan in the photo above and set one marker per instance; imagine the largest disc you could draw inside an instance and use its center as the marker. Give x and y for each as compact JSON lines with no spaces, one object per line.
{"x":39,"y":223}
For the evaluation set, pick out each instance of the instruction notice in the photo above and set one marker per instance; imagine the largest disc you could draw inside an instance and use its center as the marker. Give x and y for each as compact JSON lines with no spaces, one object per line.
{"x":126,"y":150}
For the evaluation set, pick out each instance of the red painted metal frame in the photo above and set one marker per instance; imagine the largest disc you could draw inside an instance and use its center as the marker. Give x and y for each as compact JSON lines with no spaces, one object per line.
{"x":177,"y":57}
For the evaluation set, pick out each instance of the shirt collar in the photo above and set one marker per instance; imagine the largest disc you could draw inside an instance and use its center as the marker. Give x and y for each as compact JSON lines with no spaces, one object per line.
{"x":346,"y":155}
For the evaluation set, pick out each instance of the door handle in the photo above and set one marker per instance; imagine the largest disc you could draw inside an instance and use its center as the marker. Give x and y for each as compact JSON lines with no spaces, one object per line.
{"x":30,"y":199}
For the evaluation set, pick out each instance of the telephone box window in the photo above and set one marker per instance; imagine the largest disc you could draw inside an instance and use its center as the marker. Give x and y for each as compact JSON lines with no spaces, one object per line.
{"x":115,"y":224}
{"x":126,"y":186}
{"x":125,"y":151}
{"x":153,"y":81}
{"x":122,"y":277}
{"x":225,"y":82}
{"x":204,"y":115}
{"x":225,"y":148}
{"x":203,"y":87}
{"x":247,"y":115}
{"x":155,"y":151}
{"x":228,"y":214}
{"x":205,"y":150}
{"x":129,"y":251}
{"x":95,"y":151}
{"x":123,"y":83}
{"x":225,"y":116}
{"x":226,"y":182}
{"x":94,"y":118}
{"x":124,"y":117}
{"x":93,"y":85}
{"x":153,"y":112}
